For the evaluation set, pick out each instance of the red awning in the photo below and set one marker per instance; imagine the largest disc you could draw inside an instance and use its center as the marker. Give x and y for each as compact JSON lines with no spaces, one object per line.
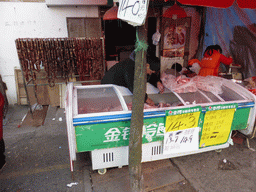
{"x":251,"y":4}
{"x":207,"y":3}
{"x":247,"y":4}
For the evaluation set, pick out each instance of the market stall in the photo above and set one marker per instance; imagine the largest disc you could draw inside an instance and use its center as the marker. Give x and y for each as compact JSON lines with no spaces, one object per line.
{"x":98,"y":120}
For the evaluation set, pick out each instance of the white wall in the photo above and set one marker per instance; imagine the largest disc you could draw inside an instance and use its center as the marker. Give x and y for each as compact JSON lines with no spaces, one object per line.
{"x":31,"y":20}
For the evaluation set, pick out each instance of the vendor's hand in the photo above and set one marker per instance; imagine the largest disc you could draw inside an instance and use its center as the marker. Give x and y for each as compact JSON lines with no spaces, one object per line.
{"x":191,"y":75}
{"x":160,"y":87}
{"x":150,"y":102}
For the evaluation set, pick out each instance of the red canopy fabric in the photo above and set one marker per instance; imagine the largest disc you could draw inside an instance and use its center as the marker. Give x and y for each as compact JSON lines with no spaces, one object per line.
{"x":111,"y":14}
{"x":175,"y":10}
{"x":251,"y":4}
{"x":207,"y":3}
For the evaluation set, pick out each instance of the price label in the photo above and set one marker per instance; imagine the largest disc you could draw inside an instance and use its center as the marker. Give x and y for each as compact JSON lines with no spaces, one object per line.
{"x":183,"y":121}
{"x":133,"y":11}
{"x":179,"y":119}
{"x":181,"y":141}
{"x":216,"y":127}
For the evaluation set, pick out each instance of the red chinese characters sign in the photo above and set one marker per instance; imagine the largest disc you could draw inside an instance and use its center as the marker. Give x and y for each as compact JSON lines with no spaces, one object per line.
{"x":175,"y":37}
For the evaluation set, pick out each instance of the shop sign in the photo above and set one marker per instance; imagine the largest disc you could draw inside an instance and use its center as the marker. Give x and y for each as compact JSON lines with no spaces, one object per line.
{"x":122,"y":133}
{"x":181,"y":130}
{"x":116,"y":134}
{"x":221,"y":107}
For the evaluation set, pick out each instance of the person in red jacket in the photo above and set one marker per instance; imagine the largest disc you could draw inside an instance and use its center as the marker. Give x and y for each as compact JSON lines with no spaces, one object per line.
{"x":2,"y":146}
{"x":212,"y":59}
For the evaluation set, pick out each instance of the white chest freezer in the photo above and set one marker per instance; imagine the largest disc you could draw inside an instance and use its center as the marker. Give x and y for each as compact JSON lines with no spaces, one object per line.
{"x":98,"y":120}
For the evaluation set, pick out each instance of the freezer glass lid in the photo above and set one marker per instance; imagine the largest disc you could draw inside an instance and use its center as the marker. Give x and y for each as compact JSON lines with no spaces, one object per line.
{"x":230,"y":95}
{"x":96,"y":100}
{"x":194,"y":97}
{"x":202,"y":96}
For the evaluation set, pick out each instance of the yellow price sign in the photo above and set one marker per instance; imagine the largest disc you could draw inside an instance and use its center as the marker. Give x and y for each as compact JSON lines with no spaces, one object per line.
{"x":216,"y":127}
{"x":182,"y":121}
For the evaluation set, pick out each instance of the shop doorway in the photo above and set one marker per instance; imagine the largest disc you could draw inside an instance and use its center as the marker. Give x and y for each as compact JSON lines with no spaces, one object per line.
{"x":152,"y":26}
{"x":120,"y":38}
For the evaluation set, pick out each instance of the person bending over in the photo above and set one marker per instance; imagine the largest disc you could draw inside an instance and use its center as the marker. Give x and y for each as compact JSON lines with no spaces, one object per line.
{"x":122,"y":74}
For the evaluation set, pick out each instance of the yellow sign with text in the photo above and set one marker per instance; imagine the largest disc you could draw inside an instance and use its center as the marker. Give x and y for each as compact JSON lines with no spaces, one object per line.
{"x":216,"y":127}
{"x":182,"y":121}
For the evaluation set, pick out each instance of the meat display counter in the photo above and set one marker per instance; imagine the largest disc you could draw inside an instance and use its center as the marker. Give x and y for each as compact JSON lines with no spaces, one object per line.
{"x":98,"y":120}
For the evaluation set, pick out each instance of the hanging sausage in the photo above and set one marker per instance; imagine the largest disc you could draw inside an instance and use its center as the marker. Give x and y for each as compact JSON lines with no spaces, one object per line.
{"x":61,"y":58}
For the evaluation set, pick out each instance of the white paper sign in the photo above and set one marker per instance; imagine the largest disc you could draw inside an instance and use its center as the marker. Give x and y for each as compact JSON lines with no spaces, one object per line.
{"x":181,"y":141}
{"x":133,"y":11}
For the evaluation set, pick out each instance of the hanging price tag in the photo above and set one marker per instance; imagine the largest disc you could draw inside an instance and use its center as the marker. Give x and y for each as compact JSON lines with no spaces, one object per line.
{"x":133,"y":11}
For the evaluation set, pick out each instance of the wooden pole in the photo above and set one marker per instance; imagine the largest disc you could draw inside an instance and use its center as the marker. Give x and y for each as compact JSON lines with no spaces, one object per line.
{"x":135,"y":142}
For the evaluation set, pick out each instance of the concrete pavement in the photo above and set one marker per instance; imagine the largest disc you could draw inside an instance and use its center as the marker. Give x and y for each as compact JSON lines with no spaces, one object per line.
{"x":205,"y":172}
{"x":37,"y":157}
{"x":38,"y":160}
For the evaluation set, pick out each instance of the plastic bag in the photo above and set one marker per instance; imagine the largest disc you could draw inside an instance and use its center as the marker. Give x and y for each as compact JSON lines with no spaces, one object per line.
{"x":209,"y":83}
{"x":251,"y":81}
{"x":184,"y":85}
{"x":156,"y":38}
{"x":195,"y":68}
{"x":181,"y":84}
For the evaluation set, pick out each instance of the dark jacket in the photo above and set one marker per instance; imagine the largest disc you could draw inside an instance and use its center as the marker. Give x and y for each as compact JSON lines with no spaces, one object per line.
{"x":1,"y":115}
{"x":122,"y":74}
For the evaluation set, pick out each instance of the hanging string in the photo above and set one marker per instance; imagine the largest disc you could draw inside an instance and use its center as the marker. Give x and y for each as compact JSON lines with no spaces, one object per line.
{"x":140,"y":45}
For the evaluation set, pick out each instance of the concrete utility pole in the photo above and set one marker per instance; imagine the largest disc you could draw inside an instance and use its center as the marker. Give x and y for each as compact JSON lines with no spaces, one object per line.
{"x":135,"y":142}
